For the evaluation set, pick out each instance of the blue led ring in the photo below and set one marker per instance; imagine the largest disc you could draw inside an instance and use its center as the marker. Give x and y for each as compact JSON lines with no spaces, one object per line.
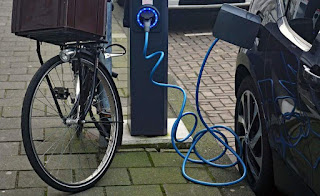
{"x":148,"y":9}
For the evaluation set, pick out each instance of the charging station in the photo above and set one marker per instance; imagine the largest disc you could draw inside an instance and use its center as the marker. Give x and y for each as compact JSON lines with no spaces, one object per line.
{"x":149,"y":75}
{"x":147,"y":103}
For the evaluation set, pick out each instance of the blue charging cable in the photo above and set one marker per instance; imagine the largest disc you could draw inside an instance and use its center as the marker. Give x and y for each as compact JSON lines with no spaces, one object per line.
{"x":212,"y":130}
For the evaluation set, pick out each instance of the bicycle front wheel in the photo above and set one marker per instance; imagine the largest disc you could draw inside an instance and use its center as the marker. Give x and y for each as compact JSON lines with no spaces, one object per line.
{"x":67,"y":154}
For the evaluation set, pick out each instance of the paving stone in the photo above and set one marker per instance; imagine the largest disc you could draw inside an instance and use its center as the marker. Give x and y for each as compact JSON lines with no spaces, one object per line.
{"x":32,"y":70}
{"x":173,"y":151}
{"x":231,"y":174}
{"x":12,"y":111}
{"x":23,"y":192}
{"x":131,"y":150}
{"x":10,"y":123}
{"x":170,"y":160}
{"x":14,"y":163}
{"x":7,"y":179}
{"x":199,"y":173}
{"x":116,"y":176}
{"x":151,"y":150}
{"x":9,"y":148}
{"x":14,"y":71}
{"x":121,"y":71}
{"x":10,"y":135}
{"x":161,"y":175}
{"x":30,"y":179}
{"x":6,"y":53}
{"x":15,"y":93}
{"x":14,"y":135}
{"x":71,"y":161}
{"x":145,"y":190}
{"x":131,"y":159}
{"x":91,"y":192}
{"x":190,"y":190}
{"x":236,"y":190}
{"x":2,"y":92}
{"x":39,"y":123}
{"x":12,"y":85}
{"x":11,"y":103}
{"x":25,"y":64}
{"x":121,"y":84}
{"x":20,"y":78}
{"x":4,"y":78}
{"x":18,"y":54}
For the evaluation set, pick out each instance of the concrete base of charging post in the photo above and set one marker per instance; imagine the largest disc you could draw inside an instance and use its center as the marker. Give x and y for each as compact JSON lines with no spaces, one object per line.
{"x":155,"y":142}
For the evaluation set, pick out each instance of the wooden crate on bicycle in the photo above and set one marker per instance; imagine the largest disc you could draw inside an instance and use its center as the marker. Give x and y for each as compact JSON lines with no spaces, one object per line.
{"x":59,"y":21}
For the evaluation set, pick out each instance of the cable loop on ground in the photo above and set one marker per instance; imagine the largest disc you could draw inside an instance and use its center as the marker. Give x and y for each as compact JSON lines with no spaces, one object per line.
{"x":213,"y":130}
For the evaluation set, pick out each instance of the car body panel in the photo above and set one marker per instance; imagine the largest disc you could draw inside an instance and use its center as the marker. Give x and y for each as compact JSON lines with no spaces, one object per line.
{"x":310,"y":99}
{"x":291,"y":104}
{"x":207,"y":4}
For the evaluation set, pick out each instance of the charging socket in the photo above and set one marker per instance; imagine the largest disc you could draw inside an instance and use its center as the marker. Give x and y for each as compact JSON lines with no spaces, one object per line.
{"x":146,"y":7}
{"x":148,"y":17}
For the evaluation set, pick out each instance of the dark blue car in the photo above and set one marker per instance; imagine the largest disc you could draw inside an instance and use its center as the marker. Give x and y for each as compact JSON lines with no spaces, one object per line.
{"x":278,"y":99}
{"x":193,"y":4}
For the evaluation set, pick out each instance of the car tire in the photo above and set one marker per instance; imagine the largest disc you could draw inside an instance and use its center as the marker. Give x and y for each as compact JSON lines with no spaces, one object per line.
{"x":250,"y":126}
{"x":121,"y":2}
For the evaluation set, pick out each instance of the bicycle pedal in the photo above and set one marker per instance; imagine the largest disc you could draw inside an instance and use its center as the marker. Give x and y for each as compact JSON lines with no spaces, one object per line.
{"x":105,"y":115}
{"x":61,"y":93}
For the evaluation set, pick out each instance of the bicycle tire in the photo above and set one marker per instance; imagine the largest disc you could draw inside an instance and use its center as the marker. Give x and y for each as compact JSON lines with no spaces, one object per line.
{"x":42,"y":167}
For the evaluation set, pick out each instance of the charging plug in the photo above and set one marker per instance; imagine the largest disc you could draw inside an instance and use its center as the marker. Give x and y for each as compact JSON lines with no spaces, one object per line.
{"x":148,"y":18}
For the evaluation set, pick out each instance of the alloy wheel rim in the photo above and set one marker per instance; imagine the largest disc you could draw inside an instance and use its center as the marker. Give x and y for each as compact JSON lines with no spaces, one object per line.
{"x":250,"y":126}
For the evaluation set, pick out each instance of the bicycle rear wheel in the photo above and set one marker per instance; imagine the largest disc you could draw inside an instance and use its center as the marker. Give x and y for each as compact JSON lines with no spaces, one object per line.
{"x":67,"y":154}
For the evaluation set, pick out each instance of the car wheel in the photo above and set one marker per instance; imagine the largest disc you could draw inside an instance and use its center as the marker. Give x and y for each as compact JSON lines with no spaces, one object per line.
{"x":250,"y":126}
{"x":121,"y":2}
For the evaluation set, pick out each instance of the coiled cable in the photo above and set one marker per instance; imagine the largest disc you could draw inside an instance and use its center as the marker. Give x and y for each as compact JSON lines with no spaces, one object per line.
{"x":213,"y":130}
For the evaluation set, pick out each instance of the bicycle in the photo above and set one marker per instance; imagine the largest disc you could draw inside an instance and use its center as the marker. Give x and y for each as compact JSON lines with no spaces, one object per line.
{"x":72,"y":119}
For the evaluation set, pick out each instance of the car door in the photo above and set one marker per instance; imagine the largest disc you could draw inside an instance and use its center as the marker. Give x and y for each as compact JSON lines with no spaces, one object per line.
{"x":289,"y":32}
{"x":207,"y":2}
{"x":309,"y":95}
{"x":300,"y":127}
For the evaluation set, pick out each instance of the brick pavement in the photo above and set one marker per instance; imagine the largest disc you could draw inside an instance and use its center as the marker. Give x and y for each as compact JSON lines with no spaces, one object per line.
{"x":134,"y":171}
{"x":217,"y":95}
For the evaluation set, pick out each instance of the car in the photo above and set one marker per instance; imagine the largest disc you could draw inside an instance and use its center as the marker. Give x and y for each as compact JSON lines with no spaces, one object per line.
{"x":277,"y":115}
{"x":187,"y":4}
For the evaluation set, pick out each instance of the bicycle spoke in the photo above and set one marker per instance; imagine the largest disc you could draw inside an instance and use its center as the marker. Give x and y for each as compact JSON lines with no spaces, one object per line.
{"x":70,"y":154}
{"x":65,"y":109}
{"x":81,"y":141}
{"x":51,"y":155}
{"x":52,"y":107}
{"x":43,"y":111}
{"x":59,"y":140}
{"x":58,"y":75}
{"x":66,"y":149}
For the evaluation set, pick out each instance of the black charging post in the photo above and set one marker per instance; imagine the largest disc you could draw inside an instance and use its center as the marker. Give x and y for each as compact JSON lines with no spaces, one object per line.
{"x":147,"y":105}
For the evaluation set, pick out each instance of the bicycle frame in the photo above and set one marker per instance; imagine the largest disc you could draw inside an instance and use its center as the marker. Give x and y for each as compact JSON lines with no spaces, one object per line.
{"x":84,"y":104}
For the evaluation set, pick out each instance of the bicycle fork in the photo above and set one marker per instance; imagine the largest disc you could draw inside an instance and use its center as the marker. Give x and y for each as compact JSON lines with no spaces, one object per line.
{"x":87,"y":94}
